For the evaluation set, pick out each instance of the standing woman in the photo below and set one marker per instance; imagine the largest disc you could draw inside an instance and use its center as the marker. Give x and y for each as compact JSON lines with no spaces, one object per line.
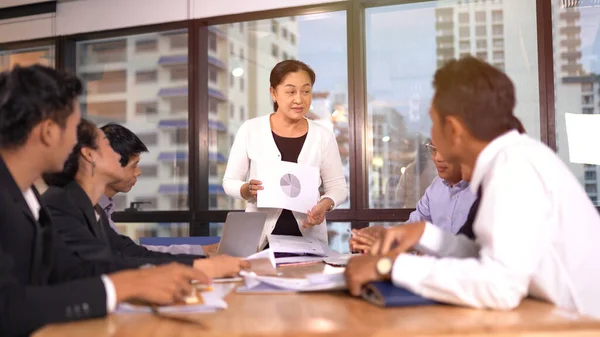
{"x":287,"y":135}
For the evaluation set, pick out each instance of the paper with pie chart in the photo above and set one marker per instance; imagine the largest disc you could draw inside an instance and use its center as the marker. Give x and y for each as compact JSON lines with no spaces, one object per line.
{"x":288,"y":185}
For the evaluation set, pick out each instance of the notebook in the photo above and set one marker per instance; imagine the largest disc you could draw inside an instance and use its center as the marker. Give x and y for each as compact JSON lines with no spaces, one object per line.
{"x":385,"y":294}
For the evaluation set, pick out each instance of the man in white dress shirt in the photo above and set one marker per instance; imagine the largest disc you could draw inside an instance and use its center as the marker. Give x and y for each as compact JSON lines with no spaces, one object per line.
{"x":536,"y":230}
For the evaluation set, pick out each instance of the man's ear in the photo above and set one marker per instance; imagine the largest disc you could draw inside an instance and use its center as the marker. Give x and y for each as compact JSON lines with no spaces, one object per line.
{"x":455,"y":130}
{"x":48,"y":131}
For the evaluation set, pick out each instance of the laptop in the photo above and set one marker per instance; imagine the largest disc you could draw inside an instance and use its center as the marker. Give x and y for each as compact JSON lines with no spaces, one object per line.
{"x":241,"y":233}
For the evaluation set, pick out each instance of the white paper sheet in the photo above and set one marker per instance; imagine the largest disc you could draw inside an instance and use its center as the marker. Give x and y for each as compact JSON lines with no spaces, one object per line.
{"x":582,"y":135}
{"x":288,"y":185}
{"x":313,"y":282}
{"x":295,"y":244}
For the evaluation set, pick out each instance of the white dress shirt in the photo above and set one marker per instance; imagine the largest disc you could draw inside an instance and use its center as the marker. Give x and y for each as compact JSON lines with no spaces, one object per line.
{"x":536,"y":231}
{"x":109,"y":287}
{"x":254,"y":143}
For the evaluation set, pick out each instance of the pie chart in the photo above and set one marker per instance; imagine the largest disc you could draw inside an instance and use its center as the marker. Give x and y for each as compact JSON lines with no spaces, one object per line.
{"x":290,"y":185}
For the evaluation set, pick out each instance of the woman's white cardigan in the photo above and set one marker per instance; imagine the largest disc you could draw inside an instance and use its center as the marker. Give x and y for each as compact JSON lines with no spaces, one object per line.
{"x":254,"y":143}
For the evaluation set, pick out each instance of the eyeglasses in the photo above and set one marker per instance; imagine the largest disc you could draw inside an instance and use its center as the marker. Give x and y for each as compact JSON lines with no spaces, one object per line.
{"x":432,"y":149}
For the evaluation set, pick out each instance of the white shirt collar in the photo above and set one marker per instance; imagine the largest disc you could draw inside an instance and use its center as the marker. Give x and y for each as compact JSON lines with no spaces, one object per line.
{"x":33,"y":203}
{"x":486,"y":157}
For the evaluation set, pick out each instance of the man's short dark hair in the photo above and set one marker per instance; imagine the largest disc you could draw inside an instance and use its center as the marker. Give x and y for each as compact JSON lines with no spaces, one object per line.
{"x":30,"y":95}
{"x":481,"y":96}
{"x":123,"y":141}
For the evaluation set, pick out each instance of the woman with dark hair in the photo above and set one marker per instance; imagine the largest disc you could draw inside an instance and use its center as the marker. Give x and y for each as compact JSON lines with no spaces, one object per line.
{"x":72,"y":199}
{"x":287,"y":135}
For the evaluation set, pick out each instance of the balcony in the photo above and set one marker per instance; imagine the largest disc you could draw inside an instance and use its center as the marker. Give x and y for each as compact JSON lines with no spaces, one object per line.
{"x":570,"y":43}
{"x":572,"y":69}
{"x":571,"y":55}
{"x":445,"y":39}
{"x":570,"y":30}
{"x":570,"y":15}
{"x":445,"y":26}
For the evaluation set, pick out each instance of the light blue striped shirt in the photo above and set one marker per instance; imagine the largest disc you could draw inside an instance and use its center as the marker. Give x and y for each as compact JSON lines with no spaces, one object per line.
{"x":445,"y":206}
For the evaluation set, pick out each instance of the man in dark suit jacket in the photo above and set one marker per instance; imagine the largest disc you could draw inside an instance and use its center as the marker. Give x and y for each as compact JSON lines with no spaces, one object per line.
{"x":77,"y":224}
{"x":41,"y":280}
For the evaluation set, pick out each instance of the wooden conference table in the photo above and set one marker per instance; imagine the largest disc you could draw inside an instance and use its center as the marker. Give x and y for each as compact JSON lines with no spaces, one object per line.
{"x":335,"y":314}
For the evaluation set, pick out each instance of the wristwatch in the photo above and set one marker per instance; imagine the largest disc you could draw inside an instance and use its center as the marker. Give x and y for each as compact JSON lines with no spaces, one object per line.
{"x":384,"y":267}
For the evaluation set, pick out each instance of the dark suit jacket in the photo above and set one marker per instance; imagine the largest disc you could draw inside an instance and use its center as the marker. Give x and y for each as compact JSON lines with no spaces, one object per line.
{"x":76,"y":222}
{"x":41,"y":280}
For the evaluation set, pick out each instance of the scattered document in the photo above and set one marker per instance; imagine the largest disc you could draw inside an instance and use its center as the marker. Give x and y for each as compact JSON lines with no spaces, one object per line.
{"x":288,"y":185}
{"x":288,"y":249}
{"x":582,"y":135}
{"x":327,"y":281}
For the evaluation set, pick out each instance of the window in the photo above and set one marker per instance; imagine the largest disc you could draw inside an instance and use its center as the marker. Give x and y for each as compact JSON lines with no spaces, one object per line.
{"x":120,"y":202}
{"x":146,"y":76}
{"x":140,"y":82}
{"x":577,"y":93}
{"x":146,"y":46}
{"x":149,"y":139}
{"x":25,"y":57}
{"x":482,"y":55}
{"x":212,"y":105}
{"x":179,"y":136}
{"x":181,"y":169}
{"x":497,"y":15}
{"x":241,"y":53}
{"x":480,"y":16}
{"x":498,"y":43}
{"x":323,"y":47}
{"x":179,"y":41}
{"x":149,"y":203}
{"x":179,"y":104}
{"x":102,"y":52}
{"x":231,"y":51}
{"x":396,"y":133}
{"x":241,"y":27}
{"x":498,"y":30}
{"x":149,"y":171}
{"x":212,"y":74}
{"x":108,"y":82}
{"x":212,"y":42}
{"x":480,"y":31}
{"x":179,"y":73}
{"x":498,"y":56}
{"x":465,"y":45}
{"x":146,"y":108}
{"x":179,"y":202}
{"x":481,"y":44}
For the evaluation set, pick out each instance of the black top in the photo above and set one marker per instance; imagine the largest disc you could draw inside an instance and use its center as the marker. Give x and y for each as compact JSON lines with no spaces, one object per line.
{"x":290,"y":150}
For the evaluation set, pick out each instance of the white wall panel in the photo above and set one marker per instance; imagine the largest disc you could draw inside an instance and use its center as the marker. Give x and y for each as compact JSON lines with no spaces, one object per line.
{"x":33,"y":27}
{"x":95,"y":15}
{"x":210,"y":8}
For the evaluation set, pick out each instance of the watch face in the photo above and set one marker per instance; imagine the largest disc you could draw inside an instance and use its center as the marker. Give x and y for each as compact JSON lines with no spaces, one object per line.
{"x":384,"y":266}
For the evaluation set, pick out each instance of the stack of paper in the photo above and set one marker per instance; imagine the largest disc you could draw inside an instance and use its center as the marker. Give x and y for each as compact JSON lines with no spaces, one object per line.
{"x":289,"y":249}
{"x":204,"y":299}
{"x":331,"y":279}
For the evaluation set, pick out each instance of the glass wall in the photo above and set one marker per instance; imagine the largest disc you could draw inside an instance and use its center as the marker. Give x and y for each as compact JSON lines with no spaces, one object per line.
{"x":40,"y":55}
{"x":140,"y":81}
{"x":405,"y":45}
{"x":241,"y":56}
{"x":576,"y":79}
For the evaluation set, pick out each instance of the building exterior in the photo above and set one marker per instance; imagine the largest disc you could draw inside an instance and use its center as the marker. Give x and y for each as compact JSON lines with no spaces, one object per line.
{"x":140,"y":81}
